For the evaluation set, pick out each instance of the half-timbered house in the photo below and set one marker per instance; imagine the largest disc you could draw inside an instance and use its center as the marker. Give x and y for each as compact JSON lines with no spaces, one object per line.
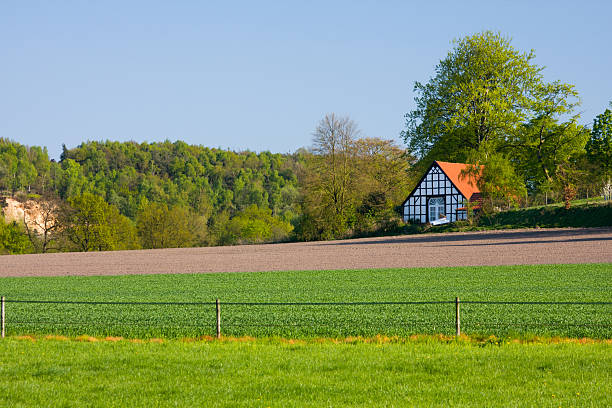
{"x":442,"y":192}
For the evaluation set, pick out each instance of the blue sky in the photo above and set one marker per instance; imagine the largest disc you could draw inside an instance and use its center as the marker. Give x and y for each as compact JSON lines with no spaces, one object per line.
{"x":260,"y":75}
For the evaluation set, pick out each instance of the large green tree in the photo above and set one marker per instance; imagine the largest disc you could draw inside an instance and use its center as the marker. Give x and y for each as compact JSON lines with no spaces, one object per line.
{"x":599,"y":146}
{"x":162,"y":227}
{"x":481,"y":92}
{"x":256,"y":225}
{"x":13,"y":240}
{"x":93,"y":225}
{"x":549,"y":140}
{"x":497,"y":181}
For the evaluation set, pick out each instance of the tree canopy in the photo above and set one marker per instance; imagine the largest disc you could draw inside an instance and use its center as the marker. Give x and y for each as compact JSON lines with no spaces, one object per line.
{"x":481,"y":92}
{"x":93,"y":225}
{"x":351,"y":184}
{"x":489,"y":103}
{"x":599,"y":146}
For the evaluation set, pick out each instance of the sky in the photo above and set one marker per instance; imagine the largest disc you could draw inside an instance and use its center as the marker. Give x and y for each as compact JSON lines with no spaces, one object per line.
{"x":260,"y":75}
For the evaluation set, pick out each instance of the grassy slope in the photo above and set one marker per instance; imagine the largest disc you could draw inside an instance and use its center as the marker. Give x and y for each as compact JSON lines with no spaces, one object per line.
{"x":60,"y":373}
{"x":552,"y":216}
{"x":565,"y":283}
{"x":580,"y":215}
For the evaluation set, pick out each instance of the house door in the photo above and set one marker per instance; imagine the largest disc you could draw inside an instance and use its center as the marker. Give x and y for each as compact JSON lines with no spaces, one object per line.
{"x":436,"y":208}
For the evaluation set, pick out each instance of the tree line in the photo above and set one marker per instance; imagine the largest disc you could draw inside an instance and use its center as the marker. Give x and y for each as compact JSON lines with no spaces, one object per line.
{"x":487,"y":104}
{"x":126,"y":195}
{"x":111,"y":195}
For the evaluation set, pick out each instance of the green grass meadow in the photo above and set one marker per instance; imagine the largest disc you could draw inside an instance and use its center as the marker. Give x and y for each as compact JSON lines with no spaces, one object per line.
{"x":304,"y":355}
{"x":534,"y":283}
{"x":268,"y":373}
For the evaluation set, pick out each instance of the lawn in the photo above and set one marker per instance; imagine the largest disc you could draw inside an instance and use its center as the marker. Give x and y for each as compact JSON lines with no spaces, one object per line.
{"x":539,"y":283}
{"x":270,"y":373}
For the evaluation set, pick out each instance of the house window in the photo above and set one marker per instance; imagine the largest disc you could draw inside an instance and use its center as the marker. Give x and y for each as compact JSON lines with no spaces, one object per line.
{"x":436,"y":208}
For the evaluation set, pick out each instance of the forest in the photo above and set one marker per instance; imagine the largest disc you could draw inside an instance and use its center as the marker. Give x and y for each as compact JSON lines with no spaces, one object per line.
{"x":487,"y":104}
{"x":112,"y":195}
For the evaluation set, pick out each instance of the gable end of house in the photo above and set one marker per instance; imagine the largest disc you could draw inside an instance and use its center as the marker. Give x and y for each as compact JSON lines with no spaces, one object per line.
{"x":441,"y":192}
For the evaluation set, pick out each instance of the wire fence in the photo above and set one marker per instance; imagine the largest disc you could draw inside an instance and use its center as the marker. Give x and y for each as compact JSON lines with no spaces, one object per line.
{"x":142,"y":319}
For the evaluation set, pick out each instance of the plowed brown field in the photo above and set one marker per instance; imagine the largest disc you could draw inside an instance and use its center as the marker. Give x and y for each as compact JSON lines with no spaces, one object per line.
{"x":510,"y":247}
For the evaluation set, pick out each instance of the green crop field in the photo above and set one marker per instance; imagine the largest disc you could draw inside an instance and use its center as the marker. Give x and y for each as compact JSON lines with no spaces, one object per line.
{"x":540,"y":283}
{"x":276,"y":374}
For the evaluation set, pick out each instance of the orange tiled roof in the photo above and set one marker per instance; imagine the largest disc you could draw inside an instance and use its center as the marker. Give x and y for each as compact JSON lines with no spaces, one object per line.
{"x":465,"y":184}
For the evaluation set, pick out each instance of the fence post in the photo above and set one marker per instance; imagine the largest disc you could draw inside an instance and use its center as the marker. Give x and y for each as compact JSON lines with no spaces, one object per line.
{"x":218,"y":320}
{"x":2,"y":315}
{"x":457,"y":320}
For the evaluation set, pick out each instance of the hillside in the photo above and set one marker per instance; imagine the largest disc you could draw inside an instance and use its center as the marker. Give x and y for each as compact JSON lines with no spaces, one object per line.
{"x":127,"y":195}
{"x":201,"y":189}
{"x":170,"y":194}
